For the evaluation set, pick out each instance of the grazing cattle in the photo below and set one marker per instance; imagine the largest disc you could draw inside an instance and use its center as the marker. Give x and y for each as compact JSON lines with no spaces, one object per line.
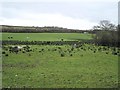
{"x":114,"y":53}
{"x":61,"y":39}
{"x":106,"y":52}
{"x":6,"y":54}
{"x":62,"y":55}
{"x":3,"y":52}
{"x":15,"y":49}
{"x":74,"y":46}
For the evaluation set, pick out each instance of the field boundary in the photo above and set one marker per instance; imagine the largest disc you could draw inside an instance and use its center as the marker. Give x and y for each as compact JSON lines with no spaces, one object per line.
{"x":16,"y":42}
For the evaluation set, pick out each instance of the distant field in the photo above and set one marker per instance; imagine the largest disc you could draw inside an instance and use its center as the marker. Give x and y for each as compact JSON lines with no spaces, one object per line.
{"x":45,"y":36}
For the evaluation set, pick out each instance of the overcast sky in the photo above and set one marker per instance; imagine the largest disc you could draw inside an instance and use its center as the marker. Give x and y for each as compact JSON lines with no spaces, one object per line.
{"x":74,"y":14}
{"x":119,"y":12}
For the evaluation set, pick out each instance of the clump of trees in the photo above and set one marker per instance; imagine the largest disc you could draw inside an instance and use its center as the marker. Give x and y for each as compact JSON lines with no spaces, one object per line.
{"x":107,"y":34}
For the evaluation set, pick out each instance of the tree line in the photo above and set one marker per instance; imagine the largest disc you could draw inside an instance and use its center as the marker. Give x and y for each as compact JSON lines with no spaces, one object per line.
{"x":46,"y":29}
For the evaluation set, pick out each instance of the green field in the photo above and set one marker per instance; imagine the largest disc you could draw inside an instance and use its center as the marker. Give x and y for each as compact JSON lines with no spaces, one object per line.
{"x":52,"y":66}
{"x":45,"y":36}
{"x":60,"y":67}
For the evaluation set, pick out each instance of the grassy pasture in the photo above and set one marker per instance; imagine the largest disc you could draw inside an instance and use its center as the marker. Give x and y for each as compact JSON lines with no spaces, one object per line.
{"x":45,"y":36}
{"x":45,"y":67}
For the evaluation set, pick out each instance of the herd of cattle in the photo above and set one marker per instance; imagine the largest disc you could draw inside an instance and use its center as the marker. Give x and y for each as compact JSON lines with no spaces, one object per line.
{"x":72,"y":49}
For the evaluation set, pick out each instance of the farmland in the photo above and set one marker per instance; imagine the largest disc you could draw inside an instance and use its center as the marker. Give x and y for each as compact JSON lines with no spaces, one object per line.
{"x":58,"y":60}
{"x":40,"y":66}
{"x":45,"y":36}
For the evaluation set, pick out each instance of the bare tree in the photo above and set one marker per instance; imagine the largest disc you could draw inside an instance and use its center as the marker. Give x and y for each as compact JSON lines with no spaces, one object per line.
{"x":105,"y":25}
{"x":108,"y":34}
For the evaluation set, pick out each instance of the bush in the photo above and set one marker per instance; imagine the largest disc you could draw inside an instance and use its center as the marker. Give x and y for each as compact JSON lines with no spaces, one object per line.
{"x":107,"y":34}
{"x":106,"y":38}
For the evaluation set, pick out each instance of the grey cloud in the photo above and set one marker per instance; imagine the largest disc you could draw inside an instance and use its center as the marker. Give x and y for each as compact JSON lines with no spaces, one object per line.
{"x":93,"y":11}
